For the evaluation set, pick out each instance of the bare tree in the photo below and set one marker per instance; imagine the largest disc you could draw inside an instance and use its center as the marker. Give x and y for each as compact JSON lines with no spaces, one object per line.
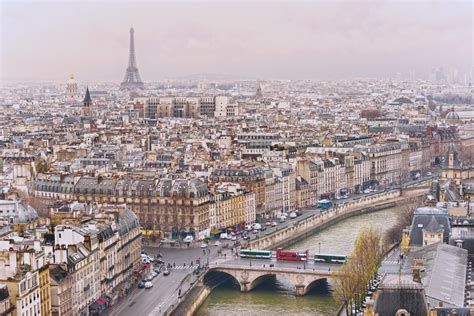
{"x":404,"y":218}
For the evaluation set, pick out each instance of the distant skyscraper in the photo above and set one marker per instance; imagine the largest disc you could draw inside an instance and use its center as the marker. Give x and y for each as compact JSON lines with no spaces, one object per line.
{"x":132,"y":78}
{"x":258,"y":94}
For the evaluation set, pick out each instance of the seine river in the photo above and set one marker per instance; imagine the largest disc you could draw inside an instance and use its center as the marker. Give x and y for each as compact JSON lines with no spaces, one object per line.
{"x":277,"y":297}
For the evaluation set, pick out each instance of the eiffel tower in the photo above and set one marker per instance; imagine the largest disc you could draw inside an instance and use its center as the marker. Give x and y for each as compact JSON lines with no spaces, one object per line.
{"x":132,"y":78}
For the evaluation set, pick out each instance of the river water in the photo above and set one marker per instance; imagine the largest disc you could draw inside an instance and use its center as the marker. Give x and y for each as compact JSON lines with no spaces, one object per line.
{"x":276,"y":297}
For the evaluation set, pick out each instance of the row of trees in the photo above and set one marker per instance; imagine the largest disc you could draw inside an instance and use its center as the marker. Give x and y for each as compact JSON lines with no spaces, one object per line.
{"x":358,"y":272}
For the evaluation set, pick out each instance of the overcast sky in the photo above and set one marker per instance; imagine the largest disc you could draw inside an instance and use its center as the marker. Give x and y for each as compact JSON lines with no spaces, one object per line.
{"x":322,"y":40}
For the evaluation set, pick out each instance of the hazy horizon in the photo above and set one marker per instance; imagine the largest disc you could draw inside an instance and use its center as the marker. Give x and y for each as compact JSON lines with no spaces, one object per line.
{"x":43,"y":40}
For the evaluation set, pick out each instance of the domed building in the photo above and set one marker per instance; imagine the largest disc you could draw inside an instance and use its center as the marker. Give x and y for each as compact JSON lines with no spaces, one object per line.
{"x":72,"y":89}
{"x":452,"y":117}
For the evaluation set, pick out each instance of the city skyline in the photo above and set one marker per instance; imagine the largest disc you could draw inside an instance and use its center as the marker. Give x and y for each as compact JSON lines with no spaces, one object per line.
{"x":278,"y":40}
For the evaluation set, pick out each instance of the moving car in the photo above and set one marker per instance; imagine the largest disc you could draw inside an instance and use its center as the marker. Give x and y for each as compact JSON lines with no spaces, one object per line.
{"x":166,"y":272}
{"x":141,"y":285}
{"x":148,"y":285}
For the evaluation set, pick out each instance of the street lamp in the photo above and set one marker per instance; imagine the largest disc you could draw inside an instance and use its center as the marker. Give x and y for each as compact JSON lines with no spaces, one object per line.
{"x":319,"y":247}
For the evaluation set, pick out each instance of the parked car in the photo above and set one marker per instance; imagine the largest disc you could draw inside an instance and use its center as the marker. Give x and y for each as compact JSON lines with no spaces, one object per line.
{"x":157,"y":271}
{"x":141,"y":285}
{"x":153,"y":274}
{"x":263,"y":228}
{"x":234,"y":238}
{"x":268,"y":224}
{"x":217,"y":243}
{"x":274,"y":224}
{"x":158,"y":261}
{"x":166,"y":272}
{"x":148,"y":278}
{"x":246,"y":237}
{"x":148,"y":285}
{"x":204,"y":245}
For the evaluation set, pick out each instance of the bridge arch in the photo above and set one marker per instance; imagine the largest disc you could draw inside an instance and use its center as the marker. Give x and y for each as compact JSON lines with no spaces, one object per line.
{"x":314,"y":283}
{"x":214,"y":278}
{"x":259,"y":279}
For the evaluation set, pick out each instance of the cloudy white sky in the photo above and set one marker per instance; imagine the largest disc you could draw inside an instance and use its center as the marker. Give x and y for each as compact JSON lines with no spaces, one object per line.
{"x":314,"y":39}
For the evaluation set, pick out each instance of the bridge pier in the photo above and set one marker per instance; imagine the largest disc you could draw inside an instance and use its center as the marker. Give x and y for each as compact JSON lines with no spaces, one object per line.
{"x":300,"y":290}
{"x":244,"y":286}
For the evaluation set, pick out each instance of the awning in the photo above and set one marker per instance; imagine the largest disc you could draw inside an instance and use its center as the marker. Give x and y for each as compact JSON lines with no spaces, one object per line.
{"x":106,"y":297}
{"x":215,"y":232}
{"x":101,"y":301}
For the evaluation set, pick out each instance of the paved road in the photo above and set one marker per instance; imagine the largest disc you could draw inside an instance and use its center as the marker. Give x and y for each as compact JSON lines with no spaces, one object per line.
{"x":164,"y":292}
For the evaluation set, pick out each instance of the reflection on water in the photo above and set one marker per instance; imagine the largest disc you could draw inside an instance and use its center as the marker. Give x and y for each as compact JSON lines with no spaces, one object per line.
{"x":276,"y":296}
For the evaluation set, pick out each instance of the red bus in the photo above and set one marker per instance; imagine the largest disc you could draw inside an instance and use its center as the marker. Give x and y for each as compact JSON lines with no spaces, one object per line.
{"x":292,"y":255}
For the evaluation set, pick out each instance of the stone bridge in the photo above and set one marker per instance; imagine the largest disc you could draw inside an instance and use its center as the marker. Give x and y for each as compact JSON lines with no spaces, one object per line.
{"x":248,"y":277}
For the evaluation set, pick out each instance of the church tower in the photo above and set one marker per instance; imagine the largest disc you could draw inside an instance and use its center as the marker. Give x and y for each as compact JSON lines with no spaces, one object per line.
{"x":258,"y":93}
{"x":87,"y":104}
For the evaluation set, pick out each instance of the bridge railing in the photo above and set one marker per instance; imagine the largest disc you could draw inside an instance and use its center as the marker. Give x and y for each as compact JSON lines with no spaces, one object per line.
{"x":307,"y":270}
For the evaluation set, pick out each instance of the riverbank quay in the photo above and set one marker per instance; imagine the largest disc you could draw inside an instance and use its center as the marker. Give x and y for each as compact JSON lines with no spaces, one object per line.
{"x":296,"y":231}
{"x":191,"y":301}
